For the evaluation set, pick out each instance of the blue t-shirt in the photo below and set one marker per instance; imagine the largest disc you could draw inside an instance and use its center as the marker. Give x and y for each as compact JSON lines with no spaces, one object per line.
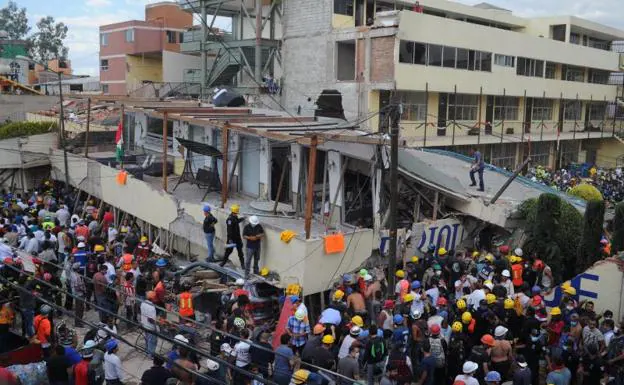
{"x":283,"y":354}
{"x":400,"y":335}
{"x":428,"y":365}
{"x":171,"y":357}
{"x":478,"y":159}
{"x":81,"y":257}
{"x":559,"y":377}
{"x":72,"y":355}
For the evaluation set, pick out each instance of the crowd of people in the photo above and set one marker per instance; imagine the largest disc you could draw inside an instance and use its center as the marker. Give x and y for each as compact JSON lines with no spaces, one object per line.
{"x":608,"y":181}
{"x":462,"y":317}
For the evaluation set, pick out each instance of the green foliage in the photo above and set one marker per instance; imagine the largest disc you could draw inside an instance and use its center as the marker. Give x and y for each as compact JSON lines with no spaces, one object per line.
{"x":617,"y":241}
{"x":17,"y":129}
{"x":589,"y":249}
{"x":14,"y":21}
{"x":48,"y":41}
{"x":587,"y":192}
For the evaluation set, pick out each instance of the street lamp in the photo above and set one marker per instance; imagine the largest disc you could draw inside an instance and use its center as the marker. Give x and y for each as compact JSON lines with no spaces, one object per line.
{"x":61,"y":115}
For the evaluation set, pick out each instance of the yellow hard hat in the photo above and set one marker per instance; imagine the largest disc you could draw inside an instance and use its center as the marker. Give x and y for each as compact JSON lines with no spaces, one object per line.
{"x":338,"y":295}
{"x":461,"y":304}
{"x":490,"y":298}
{"x":400,"y":273}
{"x":414,"y":259}
{"x":328,"y":339}
{"x":555,"y":311}
{"x":457,"y":327}
{"x":466,"y":317}
{"x":235,"y":209}
{"x":569,"y":290}
{"x":408,"y":297}
{"x":357,"y":321}
{"x":442,"y":251}
{"x":264,"y":272}
{"x":300,"y":376}
{"x":475,"y":254}
{"x":509,"y":303}
{"x":489,"y":257}
{"x":98,"y":248}
{"x":512,"y":259}
{"x":144,"y":239}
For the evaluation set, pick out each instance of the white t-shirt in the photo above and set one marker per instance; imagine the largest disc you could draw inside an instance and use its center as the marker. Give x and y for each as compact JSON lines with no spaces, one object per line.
{"x":148,"y":311}
{"x":62,"y":215}
{"x":241,"y":350}
{"x":468,"y":380}
{"x":475,"y":297}
{"x":112,"y":367}
{"x":344,"y":348}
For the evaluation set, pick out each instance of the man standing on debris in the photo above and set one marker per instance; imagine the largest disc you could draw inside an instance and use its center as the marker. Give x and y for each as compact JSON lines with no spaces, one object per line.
{"x":253,"y":233}
{"x":478,"y":166}
{"x":234,"y":236}
{"x":209,"y":231}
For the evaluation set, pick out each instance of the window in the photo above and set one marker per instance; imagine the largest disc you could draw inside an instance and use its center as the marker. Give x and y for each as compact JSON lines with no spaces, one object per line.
{"x":599,"y":44}
{"x":575,"y":38}
{"x":343,"y":7}
{"x":406,"y":52}
{"x":572,"y":110}
{"x":572,"y":73}
{"x":504,"y":60}
{"x":171,"y":37}
{"x":540,"y":153}
{"x":345,"y":60}
{"x":504,"y":155}
{"x":449,"y":57}
{"x":597,"y":110}
{"x":414,"y":105}
{"x":104,"y":39}
{"x":599,"y":76}
{"x":104,"y":65}
{"x":542,"y":109}
{"x":462,"y":58}
{"x":181,"y":40}
{"x":434,"y":58}
{"x":463,"y":107}
{"x":530,"y":67}
{"x":130,"y":35}
{"x":506,"y":108}
{"x":558,"y":32}
{"x":486,"y":61}
{"x":551,"y":69}
{"x":105,"y":89}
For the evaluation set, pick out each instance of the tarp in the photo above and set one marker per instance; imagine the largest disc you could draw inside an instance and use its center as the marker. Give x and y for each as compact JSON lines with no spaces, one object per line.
{"x":199,"y":148}
{"x":283,"y":321}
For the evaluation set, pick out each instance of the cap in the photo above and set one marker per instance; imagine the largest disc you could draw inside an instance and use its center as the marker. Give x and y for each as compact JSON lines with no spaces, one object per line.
{"x":181,"y":338}
{"x":493,"y":376}
{"x":254,"y":220}
{"x":111,"y":345}
{"x":318,"y":329}
{"x":469,"y":367}
{"x":212,"y":365}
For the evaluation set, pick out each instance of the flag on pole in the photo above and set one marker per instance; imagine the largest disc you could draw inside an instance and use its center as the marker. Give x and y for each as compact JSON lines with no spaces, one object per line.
{"x":119,"y":151}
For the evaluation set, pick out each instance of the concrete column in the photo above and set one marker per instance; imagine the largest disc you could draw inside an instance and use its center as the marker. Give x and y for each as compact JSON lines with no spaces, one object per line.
{"x":295,"y":170}
{"x":235,"y":145}
{"x":336,"y":189}
{"x":265,"y":167}
{"x":140,"y":128}
{"x":377,"y":183}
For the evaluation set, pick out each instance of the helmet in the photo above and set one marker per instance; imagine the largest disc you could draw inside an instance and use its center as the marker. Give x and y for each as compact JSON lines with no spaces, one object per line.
{"x":555,"y":311}
{"x":461,"y":304}
{"x":470,"y":367}
{"x":98,"y":248}
{"x":442,"y":251}
{"x":181,"y":338}
{"x":357,"y":321}
{"x":318,"y":329}
{"x":416,"y":284}
{"x":489,"y":257}
{"x":368,"y":278}
{"x":538,"y":264}
{"x":397,"y":319}
{"x":487,"y":339}
{"x":431,"y":247}
{"x":416,"y":314}
{"x":466,"y":317}
{"x":212,"y":365}
{"x":363,"y":273}
{"x":457,"y":327}
{"x":537,"y":300}
{"x":490,"y":298}
{"x":355,"y":330}
{"x":536,"y":289}
{"x":569,"y":290}
{"x":400,"y":274}
{"x":435,"y":329}
{"x":408,"y":297}
{"x":519,"y":252}
{"x":442,"y":301}
{"x":81,"y":245}
{"x":328,"y":339}
{"x":487,"y":283}
{"x":206,"y":208}
{"x":475,"y":254}
{"x":500,"y":331}
{"x":239,"y":322}
{"x":144,"y":239}
{"x":504,"y":249}
{"x":241,"y":282}
{"x":509,"y":303}
{"x":162,"y":262}
{"x":300,"y":376}
{"x":111,"y":345}
{"x":254,"y":220}
{"x":414,"y":259}
{"x":338,"y":295}
{"x":235,"y":209}
{"x":493,"y":376}
{"x":506,"y":273}
{"x":264,"y":272}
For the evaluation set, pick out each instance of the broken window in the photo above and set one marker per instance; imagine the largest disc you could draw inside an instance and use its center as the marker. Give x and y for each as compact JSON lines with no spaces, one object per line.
{"x":343,"y":7}
{"x":345,"y":60}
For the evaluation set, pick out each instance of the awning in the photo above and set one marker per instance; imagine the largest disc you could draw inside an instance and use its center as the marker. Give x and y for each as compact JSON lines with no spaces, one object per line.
{"x":199,"y":148}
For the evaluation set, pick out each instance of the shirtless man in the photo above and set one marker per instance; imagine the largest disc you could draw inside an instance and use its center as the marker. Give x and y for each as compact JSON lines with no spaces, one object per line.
{"x":184,"y":362}
{"x":355,"y":302}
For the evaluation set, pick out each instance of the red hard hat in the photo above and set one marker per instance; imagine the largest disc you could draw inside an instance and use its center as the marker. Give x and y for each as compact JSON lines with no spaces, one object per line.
{"x":47,"y":276}
{"x":442,"y":301}
{"x":504,"y":249}
{"x":537,"y":300}
{"x":538,"y":264}
{"x":435,"y":329}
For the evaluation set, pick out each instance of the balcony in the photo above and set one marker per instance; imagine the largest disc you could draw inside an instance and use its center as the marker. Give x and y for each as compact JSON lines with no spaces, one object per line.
{"x":191,"y":40}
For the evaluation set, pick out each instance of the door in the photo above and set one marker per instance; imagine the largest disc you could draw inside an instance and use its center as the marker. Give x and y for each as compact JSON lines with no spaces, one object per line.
{"x":528,"y":109}
{"x":442,"y":110}
{"x":489,"y":109}
{"x":217,"y":163}
{"x":250,"y":166}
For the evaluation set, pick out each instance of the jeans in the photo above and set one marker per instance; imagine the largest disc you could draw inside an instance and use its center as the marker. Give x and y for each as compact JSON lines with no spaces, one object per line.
{"x":239,"y":249}
{"x":150,"y":342}
{"x":28,"y":317}
{"x":79,"y":311}
{"x":472,"y":178}
{"x":255,"y":254}
{"x":210,"y":244}
{"x":100,"y":300}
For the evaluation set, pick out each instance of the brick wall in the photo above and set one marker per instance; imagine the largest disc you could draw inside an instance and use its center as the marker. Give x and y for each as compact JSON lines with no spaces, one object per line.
{"x":305,"y":17}
{"x":382,"y":59}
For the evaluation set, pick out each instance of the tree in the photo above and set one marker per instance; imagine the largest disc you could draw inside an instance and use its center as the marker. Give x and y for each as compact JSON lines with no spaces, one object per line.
{"x":589,"y":250}
{"x":13,"y":20}
{"x":617,"y":241}
{"x":47,"y":43}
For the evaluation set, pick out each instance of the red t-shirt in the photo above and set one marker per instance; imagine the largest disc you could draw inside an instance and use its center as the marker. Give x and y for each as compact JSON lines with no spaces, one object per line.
{"x":160,"y":293}
{"x":80,"y":373}
{"x":6,"y":377}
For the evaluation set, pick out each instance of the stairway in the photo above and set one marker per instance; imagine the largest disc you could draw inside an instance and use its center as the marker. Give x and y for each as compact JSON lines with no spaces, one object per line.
{"x":224,"y":68}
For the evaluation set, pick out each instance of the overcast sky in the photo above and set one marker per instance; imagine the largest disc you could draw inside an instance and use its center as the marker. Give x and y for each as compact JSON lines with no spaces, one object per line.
{"x":84,"y":16}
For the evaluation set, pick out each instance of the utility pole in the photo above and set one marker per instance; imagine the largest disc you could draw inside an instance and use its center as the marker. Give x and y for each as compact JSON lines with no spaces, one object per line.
{"x":395,"y":117}
{"x":63,"y":138}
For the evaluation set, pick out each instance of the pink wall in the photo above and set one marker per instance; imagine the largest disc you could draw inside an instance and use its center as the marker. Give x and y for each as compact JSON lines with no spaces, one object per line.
{"x":117,"y":89}
{"x":144,"y":40}
{"x":116,"y":69}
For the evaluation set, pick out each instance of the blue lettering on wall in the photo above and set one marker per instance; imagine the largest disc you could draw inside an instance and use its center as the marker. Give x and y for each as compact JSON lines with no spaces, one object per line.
{"x":575,"y":283}
{"x":445,"y":229}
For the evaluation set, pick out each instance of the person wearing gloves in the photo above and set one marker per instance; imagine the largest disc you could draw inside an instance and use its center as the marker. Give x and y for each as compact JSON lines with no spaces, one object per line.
{"x":253,"y":233}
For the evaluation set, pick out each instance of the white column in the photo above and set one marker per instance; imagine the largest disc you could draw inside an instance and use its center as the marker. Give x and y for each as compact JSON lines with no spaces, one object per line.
{"x":140,"y":128}
{"x":265,"y":166}
{"x":295,"y":169}
{"x":336,"y":189}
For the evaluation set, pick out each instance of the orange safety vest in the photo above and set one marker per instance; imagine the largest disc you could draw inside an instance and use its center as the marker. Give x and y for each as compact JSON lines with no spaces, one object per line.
{"x":127,"y":262}
{"x":186,"y":305}
{"x":516,"y":274}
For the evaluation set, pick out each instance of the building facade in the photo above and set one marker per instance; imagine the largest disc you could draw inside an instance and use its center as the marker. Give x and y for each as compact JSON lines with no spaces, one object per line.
{"x":137,"y":52}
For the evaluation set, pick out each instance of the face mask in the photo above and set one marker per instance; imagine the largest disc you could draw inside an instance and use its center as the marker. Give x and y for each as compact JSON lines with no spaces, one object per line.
{"x":438,"y":273}
{"x":534,"y":338}
{"x":570,"y":307}
{"x":573,"y":323}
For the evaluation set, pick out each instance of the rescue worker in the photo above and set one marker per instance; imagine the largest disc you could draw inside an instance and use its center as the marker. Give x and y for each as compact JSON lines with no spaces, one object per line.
{"x":43,"y":329}
{"x":125,"y":262}
{"x":143,"y":250}
{"x":234,"y":236}
{"x":516,"y":272}
{"x":80,"y":255}
{"x":48,"y":223}
{"x":185,"y":302}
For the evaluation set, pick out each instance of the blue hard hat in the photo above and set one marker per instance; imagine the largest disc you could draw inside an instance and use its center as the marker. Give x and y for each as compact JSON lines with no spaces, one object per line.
{"x":536,"y":289}
{"x":112,"y":277}
{"x":111,"y":345}
{"x":416,"y":284}
{"x":492,"y":376}
{"x":162,"y":262}
{"x":398,"y":319}
{"x":206,"y":208}
{"x":431,"y":247}
{"x":346,"y":277}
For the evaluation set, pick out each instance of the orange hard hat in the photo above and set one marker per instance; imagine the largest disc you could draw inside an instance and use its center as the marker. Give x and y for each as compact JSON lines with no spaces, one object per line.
{"x":487,"y":339}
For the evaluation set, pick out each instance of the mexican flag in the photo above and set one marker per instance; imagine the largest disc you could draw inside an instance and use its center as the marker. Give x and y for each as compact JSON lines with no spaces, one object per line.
{"x":119,"y":151}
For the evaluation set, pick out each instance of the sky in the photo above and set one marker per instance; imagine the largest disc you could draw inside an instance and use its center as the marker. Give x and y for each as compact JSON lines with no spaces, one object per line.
{"x":83,"y":17}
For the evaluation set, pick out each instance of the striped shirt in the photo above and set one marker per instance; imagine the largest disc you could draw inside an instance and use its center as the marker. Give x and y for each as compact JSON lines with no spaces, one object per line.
{"x":129,"y":294}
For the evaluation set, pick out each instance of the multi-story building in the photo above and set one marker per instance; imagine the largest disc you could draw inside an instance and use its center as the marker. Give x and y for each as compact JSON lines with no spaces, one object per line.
{"x":137,"y":52}
{"x":466,"y":75}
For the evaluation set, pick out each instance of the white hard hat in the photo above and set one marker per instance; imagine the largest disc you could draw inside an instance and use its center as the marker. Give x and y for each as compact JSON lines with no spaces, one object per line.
{"x":81,"y":245}
{"x":212,"y":365}
{"x":239,"y":282}
{"x":469,"y":367}
{"x":500,"y":331}
{"x":368,"y":277}
{"x":506,"y":273}
{"x":518,"y":252}
{"x":181,"y":338}
{"x":254,"y":220}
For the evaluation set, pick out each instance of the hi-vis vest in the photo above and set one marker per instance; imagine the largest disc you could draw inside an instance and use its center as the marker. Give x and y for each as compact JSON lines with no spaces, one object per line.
{"x":126,"y":262}
{"x":186,"y":305}
{"x":516,"y":274}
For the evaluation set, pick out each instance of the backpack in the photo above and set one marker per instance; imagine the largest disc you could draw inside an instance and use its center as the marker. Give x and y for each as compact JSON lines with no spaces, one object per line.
{"x":437,"y":351}
{"x":377,"y":350}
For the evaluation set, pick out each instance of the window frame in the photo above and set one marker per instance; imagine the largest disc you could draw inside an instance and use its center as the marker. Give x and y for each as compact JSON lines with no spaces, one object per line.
{"x":129,"y":35}
{"x":576,"y":110}
{"x":542,"y":112}
{"x":171,"y":34}
{"x":104,"y":39}
{"x":414,"y":105}
{"x":461,"y":109}
{"x":507,"y":107}
{"x":103,"y":67}
{"x":105,"y":89}
{"x":504,"y":60}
